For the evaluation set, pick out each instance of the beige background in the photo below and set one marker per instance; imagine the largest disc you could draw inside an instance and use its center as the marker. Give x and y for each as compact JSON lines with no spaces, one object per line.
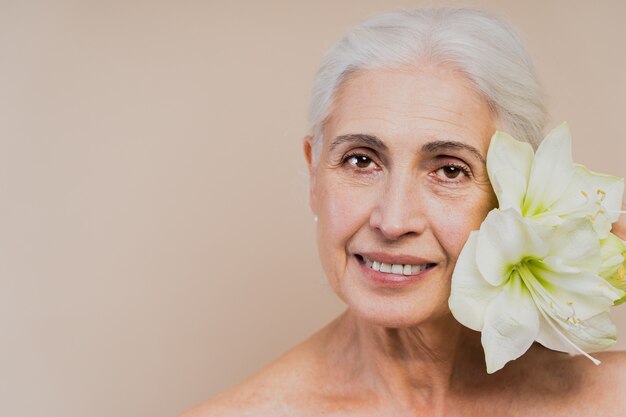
{"x":155,"y":240}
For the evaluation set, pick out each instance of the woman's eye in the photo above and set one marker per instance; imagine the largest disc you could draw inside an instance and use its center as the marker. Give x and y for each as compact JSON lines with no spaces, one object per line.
{"x":452,"y":172}
{"x":360,"y":161}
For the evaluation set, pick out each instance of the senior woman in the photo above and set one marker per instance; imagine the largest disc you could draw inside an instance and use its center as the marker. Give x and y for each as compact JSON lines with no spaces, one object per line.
{"x":403,"y":110}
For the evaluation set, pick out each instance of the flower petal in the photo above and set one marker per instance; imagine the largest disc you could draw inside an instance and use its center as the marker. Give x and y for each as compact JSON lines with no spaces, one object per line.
{"x":551,"y":172}
{"x":504,"y":239}
{"x":508,"y":164}
{"x":568,"y":296}
{"x":510,"y":188}
{"x":560,"y":319}
{"x":609,"y":189}
{"x":575,"y":243}
{"x":612,"y":250}
{"x":470,"y":293}
{"x":594,"y":334}
{"x":597,"y":333}
{"x":593,"y":195}
{"x":511,"y":325}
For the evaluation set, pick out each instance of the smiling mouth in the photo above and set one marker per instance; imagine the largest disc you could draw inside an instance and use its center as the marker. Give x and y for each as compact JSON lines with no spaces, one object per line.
{"x":398,"y":269}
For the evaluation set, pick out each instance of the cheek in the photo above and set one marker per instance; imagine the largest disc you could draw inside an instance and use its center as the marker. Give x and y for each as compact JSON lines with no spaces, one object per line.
{"x":452,"y":223}
{"x":342,"y":212}
{"x":452,"y":232}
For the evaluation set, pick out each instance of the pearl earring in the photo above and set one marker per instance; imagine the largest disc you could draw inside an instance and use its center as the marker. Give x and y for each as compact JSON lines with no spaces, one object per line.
{"x":315,"y":219}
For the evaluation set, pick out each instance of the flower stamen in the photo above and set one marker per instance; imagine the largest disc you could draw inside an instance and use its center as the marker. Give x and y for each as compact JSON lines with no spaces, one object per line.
{"x":568,"y":320}
{"x":565,"y":338}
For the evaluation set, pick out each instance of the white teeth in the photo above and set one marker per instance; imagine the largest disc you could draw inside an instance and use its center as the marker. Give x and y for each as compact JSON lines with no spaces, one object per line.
{"x":399,"y":269}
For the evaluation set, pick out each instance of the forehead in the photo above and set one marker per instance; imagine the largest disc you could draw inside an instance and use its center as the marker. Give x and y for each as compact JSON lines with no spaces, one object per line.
{"x":413,"y":106}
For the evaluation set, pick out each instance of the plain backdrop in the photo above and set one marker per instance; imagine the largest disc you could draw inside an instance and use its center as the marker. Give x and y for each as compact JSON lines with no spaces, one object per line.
{"x":156,"y":244}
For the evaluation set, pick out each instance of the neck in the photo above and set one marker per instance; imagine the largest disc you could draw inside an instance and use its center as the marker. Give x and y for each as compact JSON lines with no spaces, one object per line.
{"x":420,"y":364}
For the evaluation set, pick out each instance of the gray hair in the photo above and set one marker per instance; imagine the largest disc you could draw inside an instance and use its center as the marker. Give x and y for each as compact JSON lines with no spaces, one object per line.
{"x":482,"y":47}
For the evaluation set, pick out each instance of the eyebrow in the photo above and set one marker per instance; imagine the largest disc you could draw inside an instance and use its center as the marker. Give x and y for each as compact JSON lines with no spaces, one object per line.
{"x":368,"y":140}
{"x":432,"y":147}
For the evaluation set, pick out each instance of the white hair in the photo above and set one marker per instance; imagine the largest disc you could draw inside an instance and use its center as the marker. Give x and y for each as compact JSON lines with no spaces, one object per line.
{"x":482,"y":47}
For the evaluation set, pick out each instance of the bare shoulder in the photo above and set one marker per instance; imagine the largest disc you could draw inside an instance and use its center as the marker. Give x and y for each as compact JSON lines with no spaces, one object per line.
{"x":600,"y":388}
{"x":276,"y":390}
{"x":557,"y":384}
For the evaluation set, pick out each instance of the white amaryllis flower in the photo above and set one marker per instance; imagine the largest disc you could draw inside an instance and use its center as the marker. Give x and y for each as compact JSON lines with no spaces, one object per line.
{"x":518,"y":281}
{"x":544,"y":266}
{"x":547,"y":186}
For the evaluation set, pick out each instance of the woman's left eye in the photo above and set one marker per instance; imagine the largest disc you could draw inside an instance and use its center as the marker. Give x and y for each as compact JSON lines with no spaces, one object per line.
{"x":453,"y":172}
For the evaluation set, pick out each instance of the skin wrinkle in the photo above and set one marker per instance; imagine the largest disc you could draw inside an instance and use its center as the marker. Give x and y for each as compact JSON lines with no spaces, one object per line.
{"x":408,"y":117}
{"x":357,"y":138}
{"x":393,"y":342}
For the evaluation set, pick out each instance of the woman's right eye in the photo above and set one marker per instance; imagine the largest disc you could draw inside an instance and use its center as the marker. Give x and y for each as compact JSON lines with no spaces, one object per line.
{"x":359,"y":161}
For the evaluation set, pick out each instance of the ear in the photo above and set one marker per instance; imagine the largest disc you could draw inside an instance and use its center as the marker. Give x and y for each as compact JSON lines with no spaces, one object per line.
{"x":308,"y":156}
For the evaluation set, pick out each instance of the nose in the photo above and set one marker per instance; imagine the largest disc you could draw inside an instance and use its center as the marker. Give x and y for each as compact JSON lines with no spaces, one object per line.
{"x":399,"y":210}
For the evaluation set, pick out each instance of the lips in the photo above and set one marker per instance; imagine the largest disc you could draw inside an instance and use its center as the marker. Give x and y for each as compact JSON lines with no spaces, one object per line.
{"x":397,"y":265}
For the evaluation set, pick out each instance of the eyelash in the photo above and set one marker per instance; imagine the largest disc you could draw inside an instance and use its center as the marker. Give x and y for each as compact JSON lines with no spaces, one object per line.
{"x":351,"y":155}
{"x":462,"y":168}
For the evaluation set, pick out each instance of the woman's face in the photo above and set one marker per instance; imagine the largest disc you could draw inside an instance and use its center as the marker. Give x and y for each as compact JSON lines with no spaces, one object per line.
{"x":399,"y":184}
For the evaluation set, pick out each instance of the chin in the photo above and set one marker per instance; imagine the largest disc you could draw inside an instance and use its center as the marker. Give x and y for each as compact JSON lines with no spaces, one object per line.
{"x":397,"y":312}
